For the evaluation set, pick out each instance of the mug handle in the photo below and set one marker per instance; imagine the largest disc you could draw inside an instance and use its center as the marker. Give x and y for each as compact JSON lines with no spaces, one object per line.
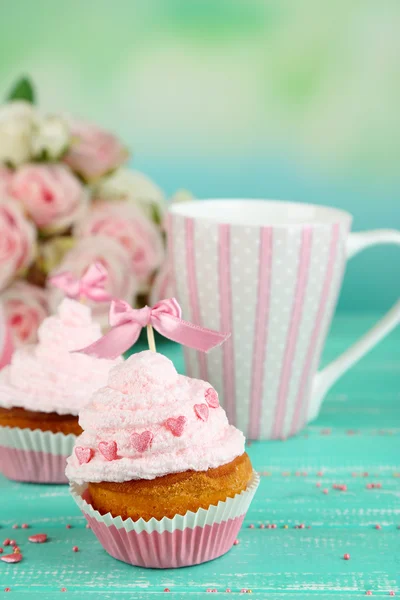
{"x":325,"y":378}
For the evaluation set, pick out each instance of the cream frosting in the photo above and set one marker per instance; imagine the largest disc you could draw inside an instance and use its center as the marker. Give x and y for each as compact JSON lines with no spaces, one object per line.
{"x":47,"y":377}
{"x":149,"y":422}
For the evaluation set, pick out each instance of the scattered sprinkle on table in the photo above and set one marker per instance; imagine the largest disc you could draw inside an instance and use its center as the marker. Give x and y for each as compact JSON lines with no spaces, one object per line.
{"x":15,"y":557}
{"x":346,"y":556}
{"x":38,"y":538}
{"x":75,"y":548}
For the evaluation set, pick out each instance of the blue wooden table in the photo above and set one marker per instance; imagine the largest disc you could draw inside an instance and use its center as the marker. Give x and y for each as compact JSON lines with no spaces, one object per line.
{"x":354,"y":443}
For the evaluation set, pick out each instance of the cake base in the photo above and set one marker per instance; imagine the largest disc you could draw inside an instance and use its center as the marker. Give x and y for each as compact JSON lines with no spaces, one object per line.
{"x":28,"y":419}
{"x":173,"y":494}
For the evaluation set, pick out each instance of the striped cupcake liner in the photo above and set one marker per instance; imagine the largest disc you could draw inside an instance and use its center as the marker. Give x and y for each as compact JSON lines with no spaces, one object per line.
{"x":191,"y":539}
{"x":34,"y":456}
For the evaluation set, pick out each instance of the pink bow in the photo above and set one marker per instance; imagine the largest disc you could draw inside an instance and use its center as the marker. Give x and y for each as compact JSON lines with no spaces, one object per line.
{"x":90,"y":285}
{"x":126,"y":324}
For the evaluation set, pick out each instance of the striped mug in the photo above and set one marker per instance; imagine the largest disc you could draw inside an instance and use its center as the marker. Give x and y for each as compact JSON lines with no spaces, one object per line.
{"x":269,"y":272}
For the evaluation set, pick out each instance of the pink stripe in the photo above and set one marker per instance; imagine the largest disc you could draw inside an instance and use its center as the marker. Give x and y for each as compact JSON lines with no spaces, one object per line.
{"x":226,"y":320}
{"x":170,"y":229}
{"x":297,"y":310}
{"x":260,"y":330}
{"x":300,"y":413}
{"x":193,"y":291}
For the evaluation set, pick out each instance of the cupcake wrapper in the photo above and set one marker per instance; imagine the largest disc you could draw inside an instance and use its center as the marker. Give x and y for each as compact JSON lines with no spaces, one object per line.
{"x":169,"y":543}
{"x":34,"y":456}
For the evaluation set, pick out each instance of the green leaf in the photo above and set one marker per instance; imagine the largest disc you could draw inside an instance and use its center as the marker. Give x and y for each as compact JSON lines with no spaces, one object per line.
{"x":22,"y":90}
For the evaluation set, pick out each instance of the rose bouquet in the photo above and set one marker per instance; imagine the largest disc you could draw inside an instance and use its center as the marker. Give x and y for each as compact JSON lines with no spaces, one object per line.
{"x":67,"y":200}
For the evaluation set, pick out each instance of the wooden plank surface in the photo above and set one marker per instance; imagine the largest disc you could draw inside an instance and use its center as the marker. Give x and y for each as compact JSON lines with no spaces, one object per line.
{"x":354,"y":442}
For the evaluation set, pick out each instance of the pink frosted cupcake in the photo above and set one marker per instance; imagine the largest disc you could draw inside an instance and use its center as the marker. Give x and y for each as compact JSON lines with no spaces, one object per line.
{"x":160,"y":475}
{"x":42,"y":392}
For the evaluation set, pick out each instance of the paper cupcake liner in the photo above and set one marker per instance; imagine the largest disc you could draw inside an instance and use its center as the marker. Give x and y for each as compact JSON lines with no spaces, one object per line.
{"x":34,"y":456}
{"x":169,"y":543}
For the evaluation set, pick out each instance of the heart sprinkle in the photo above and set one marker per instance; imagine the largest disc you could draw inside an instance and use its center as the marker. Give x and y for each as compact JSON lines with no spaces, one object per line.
{"x":108,"y":450}
{"x":142,"y":441}
{"x":211,"y":398}
{"x":38,"y":538}
{"x":176,"y":426}
{"x":11,"y":558}
{"x":201,"y":411}
{"x":84,"y":455}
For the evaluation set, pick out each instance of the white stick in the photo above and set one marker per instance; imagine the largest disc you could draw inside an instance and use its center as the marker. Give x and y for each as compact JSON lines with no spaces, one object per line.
{"x":150,"y":338}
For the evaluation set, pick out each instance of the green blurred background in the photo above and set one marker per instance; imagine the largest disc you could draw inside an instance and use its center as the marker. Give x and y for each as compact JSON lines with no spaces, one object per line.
{"x":290,"y":99}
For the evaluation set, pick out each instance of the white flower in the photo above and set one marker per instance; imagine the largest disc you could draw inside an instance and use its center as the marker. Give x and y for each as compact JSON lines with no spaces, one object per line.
{"x":51,"y":137}
{"x":134,"y":186}
{"x":16,"y":125}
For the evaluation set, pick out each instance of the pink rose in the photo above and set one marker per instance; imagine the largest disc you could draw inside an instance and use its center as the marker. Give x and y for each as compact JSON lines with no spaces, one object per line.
{"x":93,"y":151}
{"x":17,"y":241}
{"x":51,"y":194}
{"x":25,"y":307}
{"x":5,"y":181}
{"x":121,"y":282}
{"x":124,"y":222}
{"x":162,"y":286}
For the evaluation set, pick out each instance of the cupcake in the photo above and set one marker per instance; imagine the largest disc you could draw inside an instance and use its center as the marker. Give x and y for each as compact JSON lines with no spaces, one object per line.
{"x":160,"y":475}
{"x":42,"y":391}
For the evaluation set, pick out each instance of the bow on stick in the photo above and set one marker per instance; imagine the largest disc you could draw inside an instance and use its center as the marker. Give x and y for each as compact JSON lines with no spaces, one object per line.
{"x":165,"y":317}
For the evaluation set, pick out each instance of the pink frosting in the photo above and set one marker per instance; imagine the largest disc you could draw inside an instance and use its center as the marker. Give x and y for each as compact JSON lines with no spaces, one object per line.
{"x":47,"y":377}
{"x":152,"y":416}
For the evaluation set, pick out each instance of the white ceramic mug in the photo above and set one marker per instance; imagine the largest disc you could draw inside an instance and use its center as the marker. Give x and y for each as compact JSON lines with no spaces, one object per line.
{"x":269,"y":272}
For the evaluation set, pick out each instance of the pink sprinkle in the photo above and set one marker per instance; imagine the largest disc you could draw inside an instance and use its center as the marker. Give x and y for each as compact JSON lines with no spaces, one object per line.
{"x":243,"y":591}
{"x":365,"y":474}
{"x":38,"y":538}
{"x":378,"y":485}
{"x":208,"y":590}
{"x":12,"y":558}
{"x":167,"y":590}
{"x":1,"y":550}
{"x":378,"y":527}
{"x":320,"y":474}
{"x":202,"y":411}
{"x":228,"y":590}
{"x":346,"y":556}
{"x":24,"y":525}
{"x":63,"y":589}
{"x":75,"y":548}
{"x":15,"y":526}
{"x":251,"y":526}
{"x":318,"y":484}
{"x":236,"y":543}
{"x":13,"y":543}
{"x":213,"y":591}
{"x":176,"y":426}
{"x":369,"y":486}
{"x":109,"y":450}
{"x":6,"y":542}
{"x":262,"y":526}
{"x":7,"y":589}
{"x":301,"y":526}
{"x":68,"y":526}
{"x":273,"y":526}
{"x":392,"y":593}
{"x":211,"y":398}
{"x":368,"y":593}
{"x":325,"y":491}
